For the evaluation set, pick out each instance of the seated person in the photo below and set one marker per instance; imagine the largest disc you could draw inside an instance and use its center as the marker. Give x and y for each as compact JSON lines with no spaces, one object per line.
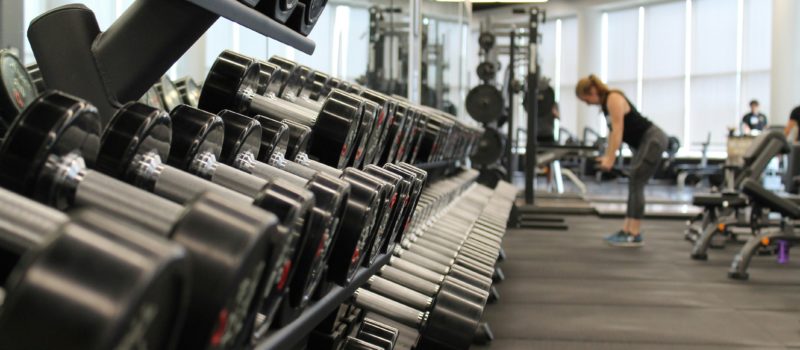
{"x":754,"y":120}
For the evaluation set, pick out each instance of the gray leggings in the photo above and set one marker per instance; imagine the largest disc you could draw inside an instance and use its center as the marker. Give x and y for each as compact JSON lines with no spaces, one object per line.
{"x":645,"y":163}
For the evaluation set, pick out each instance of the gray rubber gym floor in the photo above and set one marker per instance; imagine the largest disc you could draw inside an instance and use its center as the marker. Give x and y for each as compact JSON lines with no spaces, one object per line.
{"x":568,"y":290}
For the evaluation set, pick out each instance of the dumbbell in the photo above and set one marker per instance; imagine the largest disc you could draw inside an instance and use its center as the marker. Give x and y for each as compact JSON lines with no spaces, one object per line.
{"x":361,"y":208}
{"x":473,"y":301}
{"x":278,"y":10}
{"x":374,"y":332}
{"x":448,"y":323}
{"x":17,"y":91}
{"x":138,"y":138}
{"x":36,"y":76}
{"x":400,"y":125}
{"x":46,"y":256}
{"x":305,"y":15}
{"x":352,"y":343}
{"x":400,"y":204}
{"x":189,"y":90}
{"x":233,"y":83}
{"x":449,"y":246}
{"x":383,"y":208}
{"x":44,"y":157}
{"x":281,"y":78}
{"x":152,"y":98}
{"x":448,"y":251}
{"x":242,"y":144}
{"x":435,"y":258}
{"x":416,"y":178}
{"x":377,"y":141}
{"x":170,"y":96}
{"x":293,"y":89}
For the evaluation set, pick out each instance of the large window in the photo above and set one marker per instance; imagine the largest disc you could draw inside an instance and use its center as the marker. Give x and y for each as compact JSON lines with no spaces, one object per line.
{"x":691,"y":66}
{"x":663,"y":60}
{"x":713,"y":71}
{"x":341,"y":38}
{"x":558,"y":61}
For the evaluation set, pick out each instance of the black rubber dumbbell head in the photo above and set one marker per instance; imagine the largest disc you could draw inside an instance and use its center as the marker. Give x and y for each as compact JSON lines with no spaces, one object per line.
{"x":242,"y":136}
{"x":54,"y":124}
{"x":231,"y":74}
{"x":134,"y":130}
{"x":194,"y":132}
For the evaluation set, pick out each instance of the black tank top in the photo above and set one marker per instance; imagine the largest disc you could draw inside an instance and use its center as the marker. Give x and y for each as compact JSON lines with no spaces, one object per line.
{"x":634,"y":124}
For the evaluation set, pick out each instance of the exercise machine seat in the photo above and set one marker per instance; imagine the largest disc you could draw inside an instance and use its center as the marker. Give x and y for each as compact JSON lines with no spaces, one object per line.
{"x":768,"y":199}
{"x":718,"y":200}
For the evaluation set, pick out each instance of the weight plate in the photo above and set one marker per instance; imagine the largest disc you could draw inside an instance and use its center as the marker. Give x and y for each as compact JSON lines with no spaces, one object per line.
{"x":486,"y":41}
{"x":18,"y":89}
{"x":490,"y":148}
{"x":485,"y":103}
{"x":486,"y":71}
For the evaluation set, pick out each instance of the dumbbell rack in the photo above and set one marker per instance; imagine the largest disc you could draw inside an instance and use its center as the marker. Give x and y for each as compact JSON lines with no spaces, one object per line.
{"x":295,"y":332}
{"x":290,"y":335}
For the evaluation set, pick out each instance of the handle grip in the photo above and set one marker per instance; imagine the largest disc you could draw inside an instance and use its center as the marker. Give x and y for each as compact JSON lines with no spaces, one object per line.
{"x":389,"y":308}
{"x":399,"y":293}
{"x":118,"y":198}
{"x":413,"y":282}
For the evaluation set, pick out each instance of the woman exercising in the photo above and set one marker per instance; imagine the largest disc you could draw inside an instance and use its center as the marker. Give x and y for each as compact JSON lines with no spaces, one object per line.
{"x":647,"y":141}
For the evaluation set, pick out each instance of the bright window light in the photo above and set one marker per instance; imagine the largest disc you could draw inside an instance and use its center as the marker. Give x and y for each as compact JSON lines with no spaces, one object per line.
{"x":687,"y":76}
{"x":640,"y":60}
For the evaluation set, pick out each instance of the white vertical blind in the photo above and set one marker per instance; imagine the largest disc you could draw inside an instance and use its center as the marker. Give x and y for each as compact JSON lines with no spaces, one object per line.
{"x":756,"y":55}
{"x":547,"y":50}
{"x":357,"y":43}
{"x":663,"y":66}
{"x":568,"y":103}
{"x":623,"y":31}
{"x":714,"y":77}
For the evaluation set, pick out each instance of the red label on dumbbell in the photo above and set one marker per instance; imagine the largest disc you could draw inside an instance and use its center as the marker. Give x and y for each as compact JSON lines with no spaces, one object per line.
{"x":394,"y":200}
{"x":344,"y":150}
{"x":380,"y":118}
{"x":284,"y":274}
{"x":18,"y":99}
{"x":356,"y":254}
{"x":219,"y":332}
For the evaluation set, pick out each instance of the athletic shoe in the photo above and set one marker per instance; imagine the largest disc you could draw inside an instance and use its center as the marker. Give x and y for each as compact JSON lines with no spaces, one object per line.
{"x":624,"y":239}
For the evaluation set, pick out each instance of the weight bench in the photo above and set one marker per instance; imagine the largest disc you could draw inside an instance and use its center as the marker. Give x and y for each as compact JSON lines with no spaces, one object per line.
{"x":724,"y":208}
{"x":781,"y":239}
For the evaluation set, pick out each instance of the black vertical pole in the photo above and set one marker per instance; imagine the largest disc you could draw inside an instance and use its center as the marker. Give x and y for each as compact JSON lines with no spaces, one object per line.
{"x":510,"y":93}
{"x":532,"y":107}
